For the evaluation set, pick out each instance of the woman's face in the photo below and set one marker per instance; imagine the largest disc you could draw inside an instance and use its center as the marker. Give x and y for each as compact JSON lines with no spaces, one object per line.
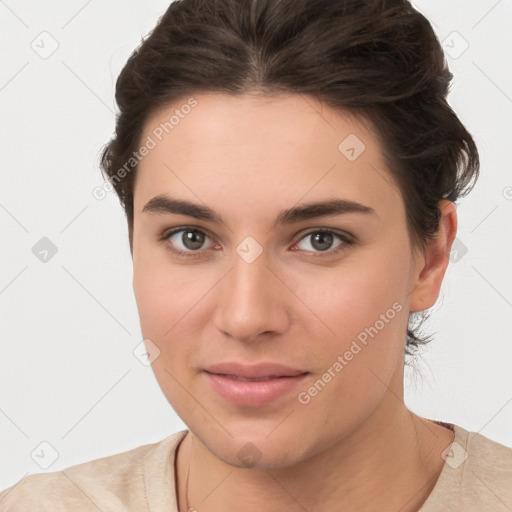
{"x":265,"y":287}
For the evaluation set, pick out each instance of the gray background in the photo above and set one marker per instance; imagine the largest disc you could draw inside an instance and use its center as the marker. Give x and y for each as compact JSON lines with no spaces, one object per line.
{"x":68,"y":326}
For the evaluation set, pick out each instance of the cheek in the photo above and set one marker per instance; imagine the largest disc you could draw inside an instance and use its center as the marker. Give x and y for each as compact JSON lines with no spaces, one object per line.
{"x":164,"y":299}
{"x":170,"y":302}
{"x":350,"y":299}
{"x":360,"y":316}
{"x":163,"y":292}
{"x":357,"y":362}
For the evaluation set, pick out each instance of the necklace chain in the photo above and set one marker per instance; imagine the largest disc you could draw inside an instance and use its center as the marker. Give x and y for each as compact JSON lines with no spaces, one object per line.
{"x":186,"y":482}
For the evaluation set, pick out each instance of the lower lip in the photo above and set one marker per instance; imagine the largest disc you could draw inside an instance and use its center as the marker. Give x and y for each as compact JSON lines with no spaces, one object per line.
{"x":252,"y":393}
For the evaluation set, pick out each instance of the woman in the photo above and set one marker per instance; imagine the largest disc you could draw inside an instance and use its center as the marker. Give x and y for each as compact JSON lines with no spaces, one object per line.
{"x":289,"y":171}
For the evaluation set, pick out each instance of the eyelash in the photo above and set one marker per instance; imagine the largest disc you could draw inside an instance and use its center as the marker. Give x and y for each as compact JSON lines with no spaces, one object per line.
{"x":347,"y":241}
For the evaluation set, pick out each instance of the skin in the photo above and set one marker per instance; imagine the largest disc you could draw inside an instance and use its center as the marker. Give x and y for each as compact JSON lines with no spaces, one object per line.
{"x":355,"y":446}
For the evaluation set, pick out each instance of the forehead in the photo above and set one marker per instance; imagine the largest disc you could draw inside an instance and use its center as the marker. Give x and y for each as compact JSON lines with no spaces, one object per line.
{"x":253,"y":147}
{"x":250,"y":120}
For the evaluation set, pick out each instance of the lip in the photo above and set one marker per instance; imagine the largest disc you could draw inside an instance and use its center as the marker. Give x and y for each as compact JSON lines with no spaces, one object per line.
{"x":255,"y":371}
{"x":275,"y":381}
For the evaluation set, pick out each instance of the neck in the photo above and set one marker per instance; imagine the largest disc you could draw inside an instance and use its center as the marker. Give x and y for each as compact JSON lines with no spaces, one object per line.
{"x":389,"y":463}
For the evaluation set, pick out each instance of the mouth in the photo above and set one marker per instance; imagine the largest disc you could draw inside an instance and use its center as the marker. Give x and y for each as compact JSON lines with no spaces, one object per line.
{"x":254,"y":379}
{"x":259,"y":371}
{"x":253,"y":386}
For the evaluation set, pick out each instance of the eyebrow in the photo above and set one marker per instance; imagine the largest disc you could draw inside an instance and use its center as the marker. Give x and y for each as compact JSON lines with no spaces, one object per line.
{"x":167,"y":204}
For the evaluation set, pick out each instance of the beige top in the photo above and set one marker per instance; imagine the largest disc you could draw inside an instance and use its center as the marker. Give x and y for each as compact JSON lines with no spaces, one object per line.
{"x":476,"y":477}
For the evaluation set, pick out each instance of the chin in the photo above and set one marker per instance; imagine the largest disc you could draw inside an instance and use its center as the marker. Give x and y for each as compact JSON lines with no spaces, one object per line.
{"x":252,"y":455}
{"x":249,"y":448}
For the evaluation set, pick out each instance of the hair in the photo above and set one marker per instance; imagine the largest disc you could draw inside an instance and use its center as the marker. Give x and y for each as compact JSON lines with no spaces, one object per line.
{"x":377,"y":59}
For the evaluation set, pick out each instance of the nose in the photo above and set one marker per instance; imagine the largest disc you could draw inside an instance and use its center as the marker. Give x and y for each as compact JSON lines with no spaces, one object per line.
{"x":251,"y":303}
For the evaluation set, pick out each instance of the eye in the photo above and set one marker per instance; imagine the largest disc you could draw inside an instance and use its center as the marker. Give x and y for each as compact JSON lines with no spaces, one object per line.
{"x":323,"y":240}
{"x":188,"y":241}
{"x":185,"y":241}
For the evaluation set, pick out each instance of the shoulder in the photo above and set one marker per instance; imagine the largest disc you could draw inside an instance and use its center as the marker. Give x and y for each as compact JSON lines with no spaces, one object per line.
{"x":488,"y":473}
{"x":477,"y":476}
{"x":115,"y":483}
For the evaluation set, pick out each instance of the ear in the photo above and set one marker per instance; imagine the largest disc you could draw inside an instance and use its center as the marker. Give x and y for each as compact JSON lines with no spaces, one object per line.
{"x":431,"y":266}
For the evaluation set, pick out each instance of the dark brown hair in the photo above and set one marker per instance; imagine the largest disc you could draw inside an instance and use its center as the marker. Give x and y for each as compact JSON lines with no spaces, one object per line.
{"x":378,"y":59}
